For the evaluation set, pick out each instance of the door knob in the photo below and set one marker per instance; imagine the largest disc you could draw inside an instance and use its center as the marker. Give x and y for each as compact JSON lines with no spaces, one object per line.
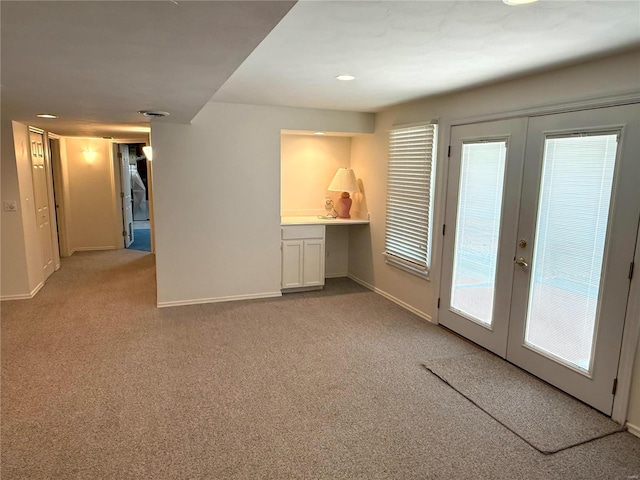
{"x":521,"y":261}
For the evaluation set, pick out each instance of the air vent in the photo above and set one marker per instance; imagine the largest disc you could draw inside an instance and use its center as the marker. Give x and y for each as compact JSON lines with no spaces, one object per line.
{"x":153,"y":113}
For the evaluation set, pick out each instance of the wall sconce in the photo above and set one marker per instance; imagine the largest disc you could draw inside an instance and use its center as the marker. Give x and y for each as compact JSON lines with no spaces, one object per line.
{"x":344,"y":181}
{"x":148,"y":152}
{"x":89,"y":155}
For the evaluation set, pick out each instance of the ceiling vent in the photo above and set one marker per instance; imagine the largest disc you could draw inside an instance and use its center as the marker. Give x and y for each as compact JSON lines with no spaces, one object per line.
{"x":153,"y":113}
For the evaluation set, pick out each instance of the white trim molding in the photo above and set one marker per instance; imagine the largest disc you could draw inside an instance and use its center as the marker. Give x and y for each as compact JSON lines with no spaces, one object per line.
{"x":633,"y":429}
{"x":395,"y":300}
{"x":23,"y":296}
{"x":587,"y":103}
{"x":630,"y":338}
{"x":94,"y":249}
{"x":233,"y":298}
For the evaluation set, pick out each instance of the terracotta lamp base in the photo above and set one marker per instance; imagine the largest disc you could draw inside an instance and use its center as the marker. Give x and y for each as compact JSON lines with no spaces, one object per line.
{"x":344,"y":205}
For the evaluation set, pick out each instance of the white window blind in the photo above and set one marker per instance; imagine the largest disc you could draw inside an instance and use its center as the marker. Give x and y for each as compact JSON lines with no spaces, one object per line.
{"x":409,"y":196}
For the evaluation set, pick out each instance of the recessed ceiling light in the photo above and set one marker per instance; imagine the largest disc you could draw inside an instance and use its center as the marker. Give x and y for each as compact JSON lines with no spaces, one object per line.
{"x":518,"y":2}
{"x":345,"y":77}
{"x":318,"y":133}
{"x":153,"y":113}
{"x":47,"y":115}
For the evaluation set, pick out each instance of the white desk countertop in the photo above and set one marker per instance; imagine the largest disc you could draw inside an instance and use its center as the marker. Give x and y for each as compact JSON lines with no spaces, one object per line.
{"x":314,"y":220}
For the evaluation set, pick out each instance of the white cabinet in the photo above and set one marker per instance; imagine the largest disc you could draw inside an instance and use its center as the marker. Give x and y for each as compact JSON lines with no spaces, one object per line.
{"x":302,"y":257}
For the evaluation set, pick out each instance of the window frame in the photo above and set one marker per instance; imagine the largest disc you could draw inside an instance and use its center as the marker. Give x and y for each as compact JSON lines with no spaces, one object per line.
{"x":396,"y":258}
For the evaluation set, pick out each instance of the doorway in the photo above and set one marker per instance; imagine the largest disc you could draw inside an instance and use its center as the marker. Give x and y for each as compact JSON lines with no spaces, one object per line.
{"x":542,"y":216}
{"x":134,"y":180}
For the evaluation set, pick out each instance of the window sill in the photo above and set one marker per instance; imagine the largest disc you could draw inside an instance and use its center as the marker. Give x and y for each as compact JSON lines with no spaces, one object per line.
{"x":406,"y":266}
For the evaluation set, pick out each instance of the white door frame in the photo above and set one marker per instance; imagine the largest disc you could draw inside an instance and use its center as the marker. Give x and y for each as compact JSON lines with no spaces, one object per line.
{"x":118,"y":184}
{"x":630,"y":336}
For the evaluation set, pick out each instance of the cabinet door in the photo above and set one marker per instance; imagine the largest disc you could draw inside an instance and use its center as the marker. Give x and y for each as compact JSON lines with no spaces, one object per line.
{"x":292,"y":254}
{"x":313,"y":269}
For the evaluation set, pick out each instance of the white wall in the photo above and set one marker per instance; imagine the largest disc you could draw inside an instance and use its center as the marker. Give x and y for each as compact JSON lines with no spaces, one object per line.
{"x":22,"y":272}
{"x":93,"y":221}
{"x":617,"y":74}
{"x":217,"y":198}
{"x":14,"y":273}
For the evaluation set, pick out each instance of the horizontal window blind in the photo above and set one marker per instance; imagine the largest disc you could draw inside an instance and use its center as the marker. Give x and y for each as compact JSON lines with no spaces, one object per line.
{"x":409,"y":195}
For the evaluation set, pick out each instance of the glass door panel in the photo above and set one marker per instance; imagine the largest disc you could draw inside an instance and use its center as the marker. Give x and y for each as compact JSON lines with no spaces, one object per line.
{"x":477,"y":232}
{"x":577,"y":228}
{"x":481,"y":218}
{"x":573,"y":212}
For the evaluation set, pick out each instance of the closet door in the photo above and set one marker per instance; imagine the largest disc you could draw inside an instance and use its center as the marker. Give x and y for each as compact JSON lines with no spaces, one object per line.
{"x":483,"y":195}
{"x":577,"y":228}
{"x":41,"y":201}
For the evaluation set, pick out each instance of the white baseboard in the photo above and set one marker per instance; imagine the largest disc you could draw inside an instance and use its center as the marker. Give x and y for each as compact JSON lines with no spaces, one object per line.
{"x":388,"y":296}
{"x":336,"y":275}
{"x":234,"y":298}
{"x":633,"y":429}
{"x":92,"y":249}
{"x":23,"y":296}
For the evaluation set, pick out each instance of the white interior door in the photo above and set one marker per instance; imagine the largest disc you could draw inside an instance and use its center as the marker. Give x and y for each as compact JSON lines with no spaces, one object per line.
{"x":483,"y":194}
{"x":127,"y":204}
{"x":539,"y":242}
{"x":41,"y":201}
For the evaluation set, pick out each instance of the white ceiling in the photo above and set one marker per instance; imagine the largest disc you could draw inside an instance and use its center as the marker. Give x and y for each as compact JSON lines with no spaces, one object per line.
{"x":97,"y":63}
{"x":400,"y":51}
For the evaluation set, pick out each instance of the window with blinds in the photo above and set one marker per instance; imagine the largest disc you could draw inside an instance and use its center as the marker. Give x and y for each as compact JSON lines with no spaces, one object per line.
{"x":409,"y":197}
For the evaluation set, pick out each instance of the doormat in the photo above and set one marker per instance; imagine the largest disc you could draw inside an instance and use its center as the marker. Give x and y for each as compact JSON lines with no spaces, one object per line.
{"x":141,"y":239}
{"x":546,"y":418}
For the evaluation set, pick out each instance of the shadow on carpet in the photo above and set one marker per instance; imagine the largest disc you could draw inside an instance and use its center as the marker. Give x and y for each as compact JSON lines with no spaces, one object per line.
{"x":141,"y":240}
{"x":541,"y":415}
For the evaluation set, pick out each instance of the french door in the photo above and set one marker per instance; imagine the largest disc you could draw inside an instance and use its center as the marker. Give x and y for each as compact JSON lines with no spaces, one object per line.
{"x":541,"y":222}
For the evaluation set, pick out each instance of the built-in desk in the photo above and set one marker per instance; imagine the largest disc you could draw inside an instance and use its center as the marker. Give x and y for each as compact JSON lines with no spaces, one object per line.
{"x":303,"y":250}
{"x":311,"y":220}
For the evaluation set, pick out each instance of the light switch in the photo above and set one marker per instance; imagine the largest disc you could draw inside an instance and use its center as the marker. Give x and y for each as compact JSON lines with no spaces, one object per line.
{"x":10,"y":206}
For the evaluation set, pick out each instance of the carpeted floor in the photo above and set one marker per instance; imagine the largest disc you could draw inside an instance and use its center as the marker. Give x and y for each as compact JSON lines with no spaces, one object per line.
{"x":98,"y":383}
{"x":141,"y":239}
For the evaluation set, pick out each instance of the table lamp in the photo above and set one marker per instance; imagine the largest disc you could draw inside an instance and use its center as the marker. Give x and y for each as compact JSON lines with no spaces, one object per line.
{"x":344,"y":181}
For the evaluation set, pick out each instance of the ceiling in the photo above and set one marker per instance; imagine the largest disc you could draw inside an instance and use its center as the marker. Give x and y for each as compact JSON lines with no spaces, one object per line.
{"x":400,"y":51}
{"x":96,"y":63}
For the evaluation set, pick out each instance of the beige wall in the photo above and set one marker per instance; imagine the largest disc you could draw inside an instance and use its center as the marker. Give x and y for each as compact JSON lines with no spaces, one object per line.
{"x":217,"y":198}
{"x":308,"y":164}
{"x":13,"y":254}
{"x":93,"y":221}
{"x":614,"y":75}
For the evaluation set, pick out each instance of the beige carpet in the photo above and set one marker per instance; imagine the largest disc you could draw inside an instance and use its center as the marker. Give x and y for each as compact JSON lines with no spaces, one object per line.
{"x":99,"y":384}
{"x":543,"y":416}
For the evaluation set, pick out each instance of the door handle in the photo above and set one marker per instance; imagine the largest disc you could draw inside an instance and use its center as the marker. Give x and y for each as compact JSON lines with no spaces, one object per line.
{"x":521,"y":261}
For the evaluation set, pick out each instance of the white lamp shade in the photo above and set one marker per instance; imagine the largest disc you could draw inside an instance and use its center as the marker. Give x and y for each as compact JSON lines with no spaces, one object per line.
{"x":344,"y":181}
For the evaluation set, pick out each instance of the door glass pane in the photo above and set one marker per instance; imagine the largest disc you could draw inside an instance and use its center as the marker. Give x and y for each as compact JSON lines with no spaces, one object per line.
{"x":478,"y":230}
{"x":573,"y":210}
